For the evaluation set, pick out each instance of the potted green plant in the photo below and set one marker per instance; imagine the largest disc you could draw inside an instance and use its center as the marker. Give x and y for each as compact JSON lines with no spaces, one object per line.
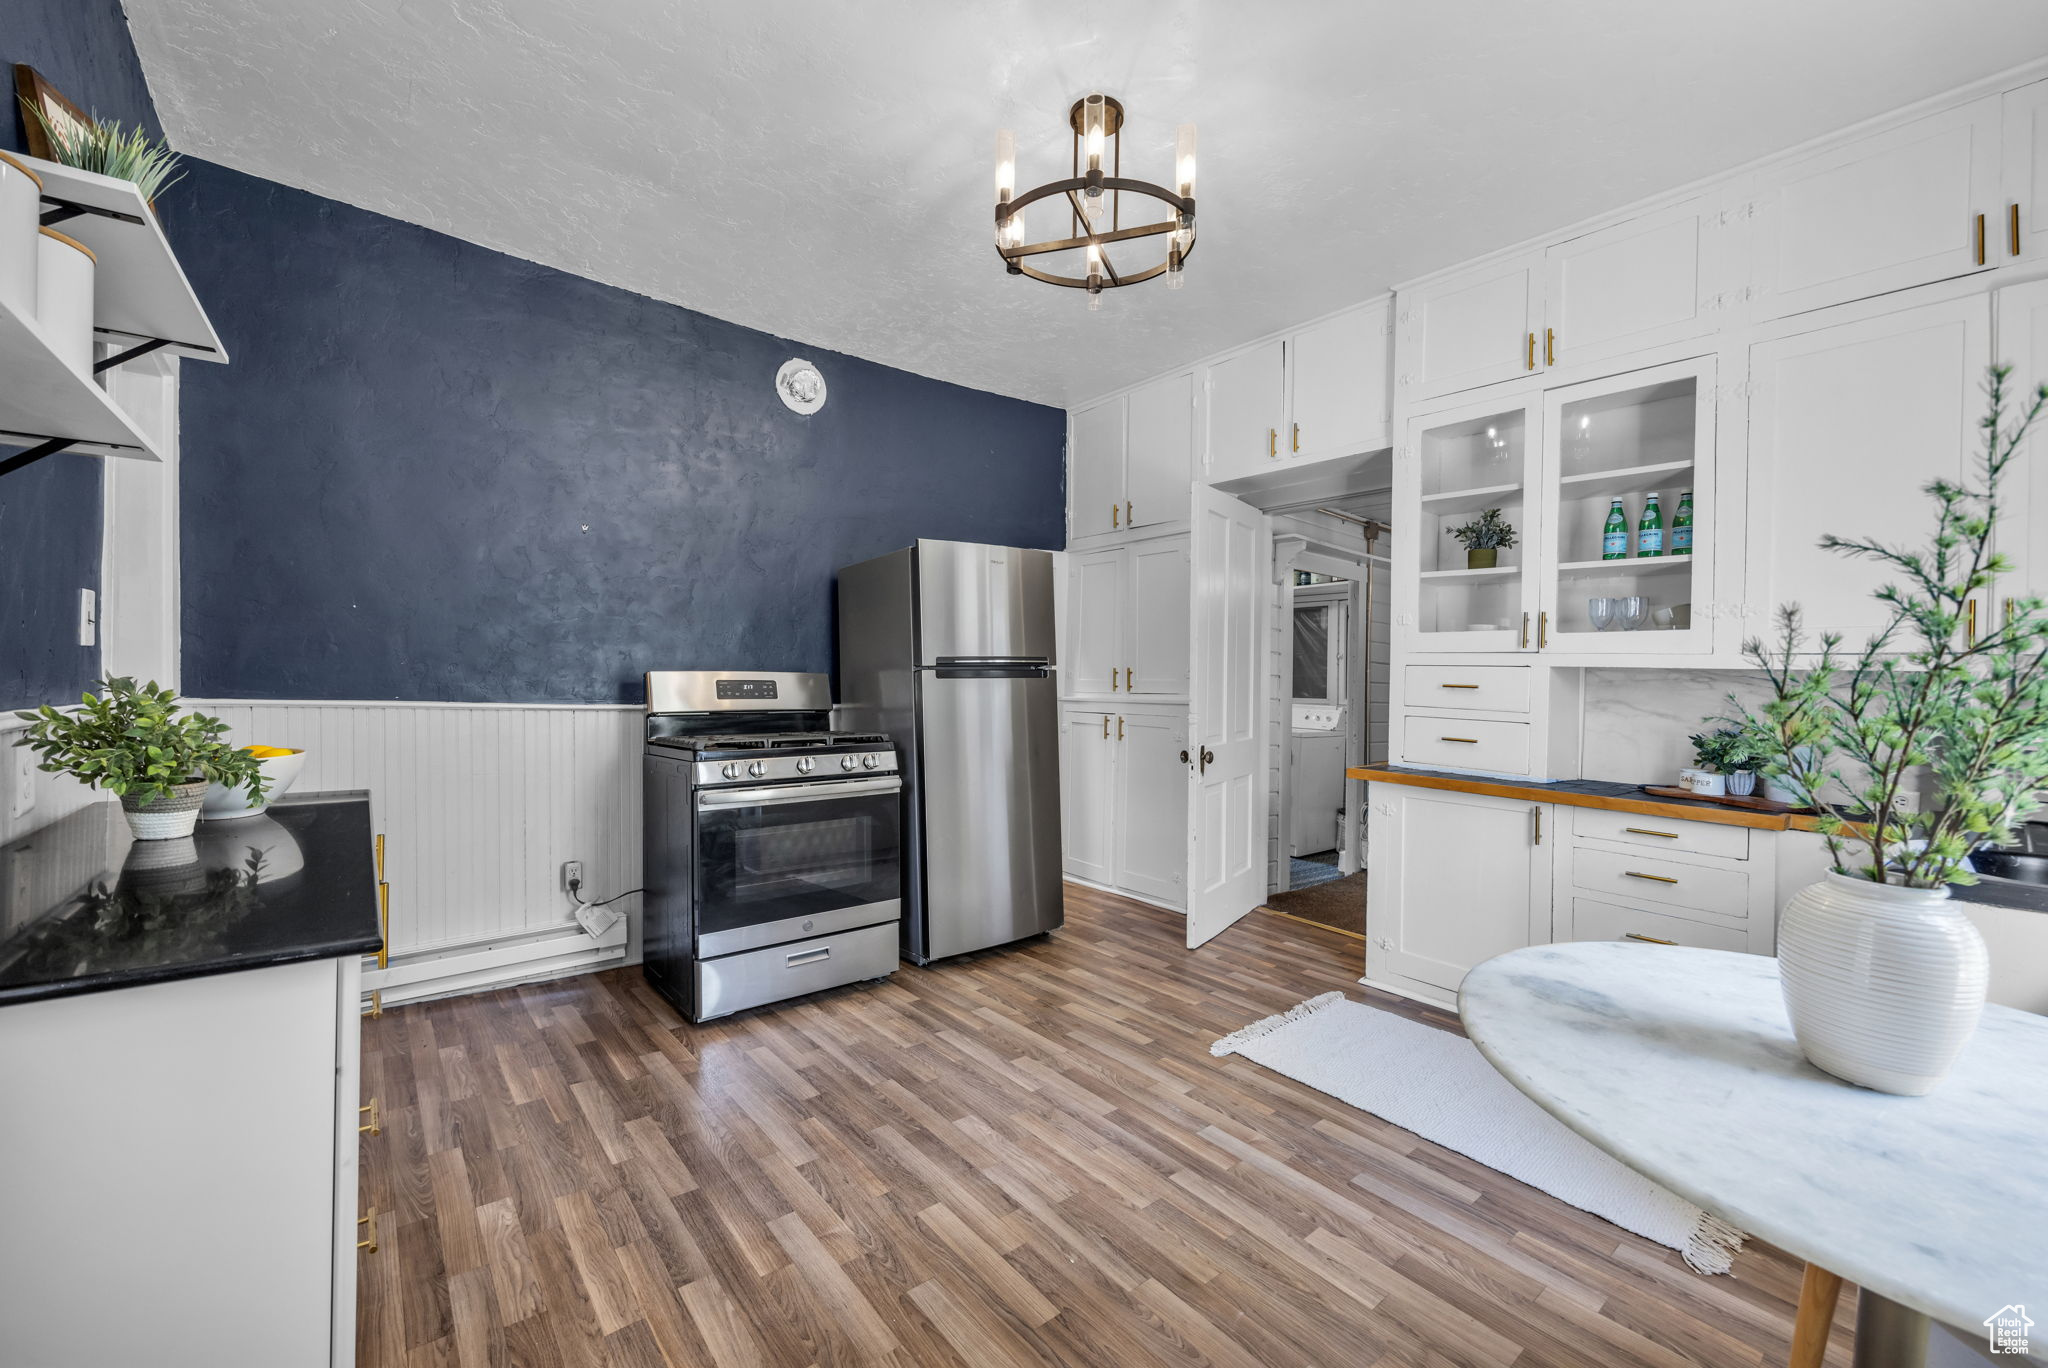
{"x":1730,"y":755}
{"x":1483,"y":538}
{"x":109,"y":148}
{"x":1883,"y":978}
{"x":135,"y":742}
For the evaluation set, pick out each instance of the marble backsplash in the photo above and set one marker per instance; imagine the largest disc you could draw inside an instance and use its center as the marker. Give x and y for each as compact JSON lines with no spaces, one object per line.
{"x":1637,"y":721}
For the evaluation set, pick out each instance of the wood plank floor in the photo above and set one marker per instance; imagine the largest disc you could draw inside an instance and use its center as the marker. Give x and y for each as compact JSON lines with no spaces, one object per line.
{"x":1026,"y":1156}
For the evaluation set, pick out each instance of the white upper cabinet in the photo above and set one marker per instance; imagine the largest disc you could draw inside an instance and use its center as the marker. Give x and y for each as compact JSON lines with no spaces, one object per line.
{"x":2023,"y":526}
{"x":1158,"y":611}
{"x":1095,"y":471}
{"x":1847,"y":423}
{"x":1472,"y":329}
{"x":1247,"y":401}
{"x":2022,"y":233}
{"x":1095,"y":594}
{"x":1127,"y":621}
{"x":1632,"y":286}
{"x":1160,"y":461}
{"x":1340,"y":373}
{"x":1912,"y":204}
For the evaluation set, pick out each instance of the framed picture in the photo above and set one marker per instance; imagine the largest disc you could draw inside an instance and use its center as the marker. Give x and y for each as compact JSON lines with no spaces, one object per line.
{"x":39,"y":95}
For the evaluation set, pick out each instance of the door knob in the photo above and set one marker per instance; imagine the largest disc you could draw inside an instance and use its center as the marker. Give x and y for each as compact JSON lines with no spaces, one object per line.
{"x":1183,"y":757}
{"x":1208,"y":759}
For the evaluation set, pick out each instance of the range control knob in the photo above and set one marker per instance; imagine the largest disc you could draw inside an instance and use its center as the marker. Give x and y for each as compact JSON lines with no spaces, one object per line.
{"x":806,"y":765}
{"x":868,"y":762}
{"x":731,"y":770}
{"x":757,"y":769}
{"x":846,"y":762}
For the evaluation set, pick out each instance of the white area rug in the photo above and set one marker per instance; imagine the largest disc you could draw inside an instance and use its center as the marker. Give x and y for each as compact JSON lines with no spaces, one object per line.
{"x":1439,"y":1086}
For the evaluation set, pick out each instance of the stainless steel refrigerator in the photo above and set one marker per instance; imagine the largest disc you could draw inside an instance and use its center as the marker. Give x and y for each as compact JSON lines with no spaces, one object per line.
{"x":948,"y":648}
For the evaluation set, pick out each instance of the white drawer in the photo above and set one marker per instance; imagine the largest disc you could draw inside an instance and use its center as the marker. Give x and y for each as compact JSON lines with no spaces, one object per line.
{"x":1637,"y":879}
{"x":1661,"y":833}
{"x":1596,"y":920}
{"x":1465,"y":743}
{"x":1483,"y":688}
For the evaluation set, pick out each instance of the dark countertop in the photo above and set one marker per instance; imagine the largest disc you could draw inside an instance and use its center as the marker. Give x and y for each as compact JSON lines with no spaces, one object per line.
{"x":85,"y":907}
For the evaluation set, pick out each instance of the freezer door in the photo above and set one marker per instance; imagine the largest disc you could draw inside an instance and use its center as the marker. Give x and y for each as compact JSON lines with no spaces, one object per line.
{"x":990,"y":800}
{"x":983,"y":602}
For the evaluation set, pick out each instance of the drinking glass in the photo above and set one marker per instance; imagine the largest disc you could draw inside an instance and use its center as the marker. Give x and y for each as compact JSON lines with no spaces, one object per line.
{"x":1601,"y":612}
{"x":1632,"y":611}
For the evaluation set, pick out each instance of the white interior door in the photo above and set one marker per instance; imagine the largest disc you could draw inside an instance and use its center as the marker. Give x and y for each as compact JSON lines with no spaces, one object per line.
{"x":1226,"y":739}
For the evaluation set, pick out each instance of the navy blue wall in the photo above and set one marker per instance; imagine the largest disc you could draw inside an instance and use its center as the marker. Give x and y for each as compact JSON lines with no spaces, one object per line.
{"x":50,"y":512}
{"x":438,"y":472}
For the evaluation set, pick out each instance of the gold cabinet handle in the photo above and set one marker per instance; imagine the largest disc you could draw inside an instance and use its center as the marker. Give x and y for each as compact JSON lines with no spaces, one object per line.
{"x":1542,"y":629}
{"x":1112,"y":679}
{"x":1532,"y":353}
{"x":2012,"y":228}
{"x":1457,"y":686}
{"x":1645,"y":831}
{"x":1980,"y":239}
{"x":1272,"y":442}
{"x":1127,"y":679}
{"x":1537,"y":813}
{"x":1114,"y":510}
{"x":1119,"y":729}
{"x":376,"y":1123}
{"x":1105,"y":726}
{"x":1461,"y":740}
{"x":1127,"y":513}
{"x":1550,"y":346}
{"x":1970,"y":622}
{"x":1653,"y":878}
{"x":2006,"y":608}
{"x":383,"y":925}
{"x":1297,"y":437}
{"x":380,"y":857}
{"x":370,"y":1220}
{"x":1525,"y":631}
{"x":1653,"y":940}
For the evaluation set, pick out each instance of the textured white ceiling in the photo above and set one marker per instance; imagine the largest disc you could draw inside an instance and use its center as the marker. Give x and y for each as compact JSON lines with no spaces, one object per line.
{"x":822,"y":170}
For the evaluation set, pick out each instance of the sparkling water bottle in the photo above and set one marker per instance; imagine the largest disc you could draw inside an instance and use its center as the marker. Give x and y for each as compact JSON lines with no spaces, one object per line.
{"x":1650,"y":531}
{"x":1614,"y":536}
{"x":1681,"y":526}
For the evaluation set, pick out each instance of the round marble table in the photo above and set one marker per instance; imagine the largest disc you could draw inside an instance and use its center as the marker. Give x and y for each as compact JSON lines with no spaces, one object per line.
{"x":1681,"y":1064}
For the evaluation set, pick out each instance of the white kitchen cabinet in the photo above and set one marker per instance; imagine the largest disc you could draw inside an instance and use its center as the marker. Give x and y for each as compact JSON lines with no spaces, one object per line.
{"x":2023,"y":525}
{"x":1088,"y":794}
{"x":1161,"y":452}
{"x":1152,"y":805}
{"x":2022,"y":231}
{"x":1847,"y":423}
{"x":1124,"y":800}
{"x":1471,"y":329}
{"x":1914,"y":203}
{"x":1127,"y":614}
{"x":1642,"y":283}
{"x":1247,"y":404}
{"x":1340,"y":381}
{"x":1454,"y":879}
{"x":173,"y":1188}
{"x":1095,"y":470}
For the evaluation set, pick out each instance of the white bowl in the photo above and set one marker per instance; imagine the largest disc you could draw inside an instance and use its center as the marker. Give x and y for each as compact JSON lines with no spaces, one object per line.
{"x":223,"y":804}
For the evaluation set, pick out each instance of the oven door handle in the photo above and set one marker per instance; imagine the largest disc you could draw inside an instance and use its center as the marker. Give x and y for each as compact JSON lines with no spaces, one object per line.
{"x":798,"y":793}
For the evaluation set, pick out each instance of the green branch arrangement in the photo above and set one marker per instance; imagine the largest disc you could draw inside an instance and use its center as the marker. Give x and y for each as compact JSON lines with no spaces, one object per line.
{"x":1924,"y":693}
{"x":134,"y":741}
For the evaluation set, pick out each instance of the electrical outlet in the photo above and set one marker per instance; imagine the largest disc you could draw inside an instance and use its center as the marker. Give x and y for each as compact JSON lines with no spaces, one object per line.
{"x":572,"y":875}
{"x":20,"y":770}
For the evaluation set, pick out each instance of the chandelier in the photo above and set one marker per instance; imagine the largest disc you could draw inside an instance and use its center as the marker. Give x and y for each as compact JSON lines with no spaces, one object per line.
{"x":1093,"y":200}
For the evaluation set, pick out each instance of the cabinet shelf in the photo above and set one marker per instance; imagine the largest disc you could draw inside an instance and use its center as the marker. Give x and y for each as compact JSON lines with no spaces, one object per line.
{"x":1634,"y":565}
{"x":1471,"y":576}
{"x":43,"y":400}
{"x":1627,"y":480}
{"x":1465,"y":500}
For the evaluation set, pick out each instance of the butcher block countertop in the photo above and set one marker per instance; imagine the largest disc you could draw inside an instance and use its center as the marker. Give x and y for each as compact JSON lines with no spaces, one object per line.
{"x":1591,"y":793}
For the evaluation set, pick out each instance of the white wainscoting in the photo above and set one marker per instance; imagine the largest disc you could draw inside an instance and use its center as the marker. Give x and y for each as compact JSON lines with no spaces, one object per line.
{"x":480,"y":805}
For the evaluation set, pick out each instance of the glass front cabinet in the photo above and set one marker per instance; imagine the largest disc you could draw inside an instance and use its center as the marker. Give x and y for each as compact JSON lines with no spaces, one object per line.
{"x":1573,"y":472}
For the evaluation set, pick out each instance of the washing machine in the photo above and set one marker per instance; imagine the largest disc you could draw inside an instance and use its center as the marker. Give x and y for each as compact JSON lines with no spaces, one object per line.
{"x":1316,"y":752}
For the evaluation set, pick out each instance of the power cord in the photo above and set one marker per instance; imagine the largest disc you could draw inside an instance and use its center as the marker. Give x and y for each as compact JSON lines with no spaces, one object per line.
{"x":590,"y":915}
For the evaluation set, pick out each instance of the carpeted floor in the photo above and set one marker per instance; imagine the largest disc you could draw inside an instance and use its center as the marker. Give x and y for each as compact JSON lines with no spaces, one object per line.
{"x":1307,"y":870}
{"x":1339,"y":903}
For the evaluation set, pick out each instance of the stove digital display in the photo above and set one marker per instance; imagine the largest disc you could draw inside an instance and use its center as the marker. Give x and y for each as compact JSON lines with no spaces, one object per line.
{"x":746,"y":688}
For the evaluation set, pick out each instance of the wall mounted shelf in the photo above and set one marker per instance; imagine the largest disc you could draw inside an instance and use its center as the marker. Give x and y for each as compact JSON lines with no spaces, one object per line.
{"x":44,"y":401}
{"x":1628,"y":480}
{"x":1465,"y":500}
{"x":1633,"y":565}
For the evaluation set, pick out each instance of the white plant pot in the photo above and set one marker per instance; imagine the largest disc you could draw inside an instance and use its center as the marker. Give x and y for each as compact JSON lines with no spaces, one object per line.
{"x":166,"y":819}
{"x":1707,"y":784}
{"x":1884,"y":985}
{"x":21,"y":192}
{"x":64,"y":282}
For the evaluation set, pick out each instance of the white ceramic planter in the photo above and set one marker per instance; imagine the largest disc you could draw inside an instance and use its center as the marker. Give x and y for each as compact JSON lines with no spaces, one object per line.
{"x":64,"y":281}
{"x":21,"y":192}
{"x":1884,"y":985}
{"x":166,"y":819}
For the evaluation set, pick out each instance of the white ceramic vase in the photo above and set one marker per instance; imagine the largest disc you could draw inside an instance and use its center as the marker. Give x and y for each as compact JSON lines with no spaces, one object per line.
{"x":65,"y":268}
{"x":21,"y":202}
{"x":1884,"y":985}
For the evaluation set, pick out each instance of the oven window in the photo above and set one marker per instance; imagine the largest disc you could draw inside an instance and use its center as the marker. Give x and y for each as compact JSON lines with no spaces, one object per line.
{"x":770,"y":861}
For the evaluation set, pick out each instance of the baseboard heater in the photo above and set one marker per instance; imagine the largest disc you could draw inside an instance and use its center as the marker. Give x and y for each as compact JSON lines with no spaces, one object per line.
{"x":447,"y":970}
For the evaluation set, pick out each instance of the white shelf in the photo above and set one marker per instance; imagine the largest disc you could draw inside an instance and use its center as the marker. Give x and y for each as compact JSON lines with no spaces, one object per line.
{"x":42,"y":398}
{"x":1471,"y":576}
{"x":1634,"y":565}
{"x":141,"y":291}
{"x":1627,"y":480}
{"x":1464,"y":500}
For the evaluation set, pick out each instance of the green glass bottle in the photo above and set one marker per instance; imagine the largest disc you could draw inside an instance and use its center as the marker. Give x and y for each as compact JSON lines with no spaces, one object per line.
{"x":1614,"y":535}
{"x":1650,"y":531}
{"x":1681,"y":526}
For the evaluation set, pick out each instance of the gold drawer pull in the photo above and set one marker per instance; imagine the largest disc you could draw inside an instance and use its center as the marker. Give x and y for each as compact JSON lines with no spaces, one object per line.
{"x":1980,"y":239}
{"x":1653,"y":940}
{"x":376,"y":1126}
{"x":371,"y":1221}
{"x":1645,"y":831}
{"x":1457,"y":686}
{"x":1532,"y":353}
{"x":1461,"y":740}
{"x":2014,"y":230}
{"x":1653,"y":878}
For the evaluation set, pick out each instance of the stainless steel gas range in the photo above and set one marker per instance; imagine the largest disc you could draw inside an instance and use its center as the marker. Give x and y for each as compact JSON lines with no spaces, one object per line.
{"x":773,"y":844}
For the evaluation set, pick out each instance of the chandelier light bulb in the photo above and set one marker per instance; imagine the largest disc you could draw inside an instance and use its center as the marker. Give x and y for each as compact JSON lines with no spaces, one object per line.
{"x":1094,"y":130}
{"x":1095,"y":301}
{"x":1175,"y":276}
{"x":1006,"y":166}
{"x":1184,"y":160}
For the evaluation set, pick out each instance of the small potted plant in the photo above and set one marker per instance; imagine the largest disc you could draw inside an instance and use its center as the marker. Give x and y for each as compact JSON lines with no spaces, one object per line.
{"x":1729,"y":759}
{"x":134,"y":741}
{"x":109,"y":148}
{"x":1483,"y":539}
